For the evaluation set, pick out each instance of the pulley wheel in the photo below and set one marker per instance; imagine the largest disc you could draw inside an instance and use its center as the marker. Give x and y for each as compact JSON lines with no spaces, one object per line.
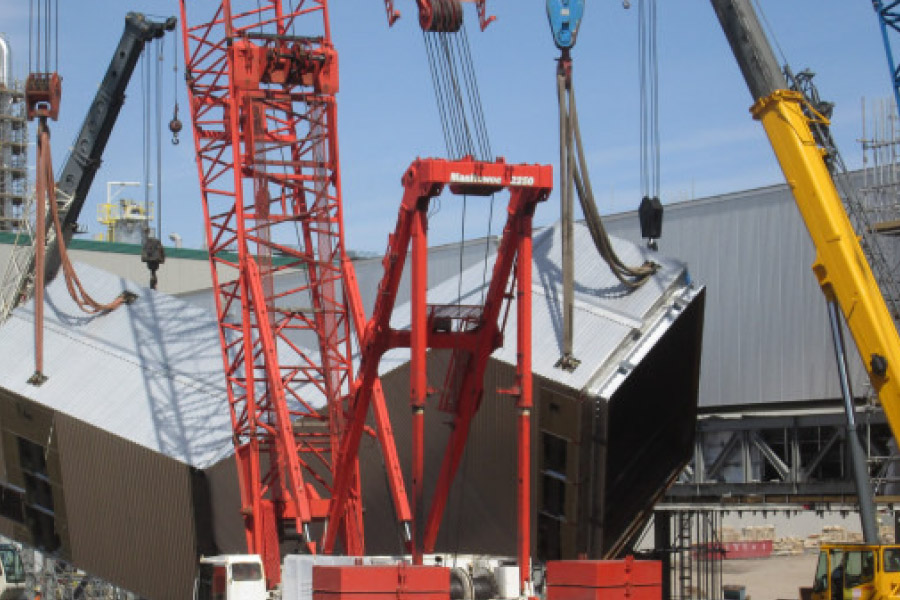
{"x":446,"y":16}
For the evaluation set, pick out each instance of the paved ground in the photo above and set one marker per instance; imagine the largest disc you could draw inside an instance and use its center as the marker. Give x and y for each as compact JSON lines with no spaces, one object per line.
{"x":774,"y":578}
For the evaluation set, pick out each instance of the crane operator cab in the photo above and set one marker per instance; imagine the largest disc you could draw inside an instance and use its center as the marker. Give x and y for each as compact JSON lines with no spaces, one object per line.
{"x":857,"y":572}
{"x":230,"y":577}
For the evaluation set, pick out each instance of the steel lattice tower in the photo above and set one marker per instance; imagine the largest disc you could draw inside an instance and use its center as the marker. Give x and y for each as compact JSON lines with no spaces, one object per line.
{"x":262,"y":78}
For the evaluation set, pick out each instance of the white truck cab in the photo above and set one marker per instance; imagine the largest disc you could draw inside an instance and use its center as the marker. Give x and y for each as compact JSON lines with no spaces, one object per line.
{"x":231,"y":577}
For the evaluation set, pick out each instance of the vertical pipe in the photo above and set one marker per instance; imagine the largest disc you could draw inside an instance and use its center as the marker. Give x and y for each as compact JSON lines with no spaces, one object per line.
{"x":5,"y":63}
{"x":418,"y":373}
{"x":525,"y":401}
{"x":857,"y":454}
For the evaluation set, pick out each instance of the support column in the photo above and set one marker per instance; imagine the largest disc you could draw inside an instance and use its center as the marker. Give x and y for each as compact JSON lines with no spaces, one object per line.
{"x":525,"y":401}
{"x":418,"y":379}
{"x":864,"y":494}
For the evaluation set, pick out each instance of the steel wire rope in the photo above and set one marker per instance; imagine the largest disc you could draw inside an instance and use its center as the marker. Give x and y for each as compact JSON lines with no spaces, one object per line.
{"x":649,"y":98}
{"x":145,"y":137}
{"x":461,"y":125}
{"x":475,"y":110}
{"x":460,"y":122}
{"x":654,"y":99}
{"x":475,"y":141}
{"x":771,"y":31}
{"x":642,"y":74}
{"x":448,"y":115}
{"x":159,"y":100}
{"x":456,"y":52}
{"x":439,"y":99}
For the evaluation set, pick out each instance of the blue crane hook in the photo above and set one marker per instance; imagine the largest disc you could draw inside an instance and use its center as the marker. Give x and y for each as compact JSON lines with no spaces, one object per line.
{"x":565,"y":17}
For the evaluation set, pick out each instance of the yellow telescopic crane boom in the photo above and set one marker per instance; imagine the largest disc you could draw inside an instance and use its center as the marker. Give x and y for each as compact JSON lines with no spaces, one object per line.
{"x":840,"y":266}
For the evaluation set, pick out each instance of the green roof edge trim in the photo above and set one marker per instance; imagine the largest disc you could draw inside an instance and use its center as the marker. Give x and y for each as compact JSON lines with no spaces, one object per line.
{"x":135,"y":249}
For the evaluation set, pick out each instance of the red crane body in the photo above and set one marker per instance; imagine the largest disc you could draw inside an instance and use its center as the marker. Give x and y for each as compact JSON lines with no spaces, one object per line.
{"x":262,"y":78}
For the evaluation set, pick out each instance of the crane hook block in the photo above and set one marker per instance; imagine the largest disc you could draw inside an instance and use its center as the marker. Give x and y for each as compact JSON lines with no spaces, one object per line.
{"x":565,"y":17}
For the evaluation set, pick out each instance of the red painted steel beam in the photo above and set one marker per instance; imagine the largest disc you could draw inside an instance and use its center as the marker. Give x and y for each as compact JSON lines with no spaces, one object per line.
{"x":524,"y":402}
{"x":418,"y":376}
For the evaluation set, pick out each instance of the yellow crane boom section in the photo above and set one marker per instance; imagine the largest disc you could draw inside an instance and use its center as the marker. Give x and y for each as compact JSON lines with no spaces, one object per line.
{"x":841,"y":267}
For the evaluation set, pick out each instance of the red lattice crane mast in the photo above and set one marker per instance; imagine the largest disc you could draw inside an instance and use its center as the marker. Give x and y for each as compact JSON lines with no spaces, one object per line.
{"x":262,"y":77}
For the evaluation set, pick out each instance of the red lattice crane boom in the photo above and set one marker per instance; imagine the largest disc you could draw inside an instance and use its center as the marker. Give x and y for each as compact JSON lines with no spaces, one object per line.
{"x":262,"y":77}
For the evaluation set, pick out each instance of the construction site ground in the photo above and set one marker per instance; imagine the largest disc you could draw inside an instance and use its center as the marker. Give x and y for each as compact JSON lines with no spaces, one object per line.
{"x":773,"y":578}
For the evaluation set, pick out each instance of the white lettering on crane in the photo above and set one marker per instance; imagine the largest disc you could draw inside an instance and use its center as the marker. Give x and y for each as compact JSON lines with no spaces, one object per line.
{"x":473,"y":178}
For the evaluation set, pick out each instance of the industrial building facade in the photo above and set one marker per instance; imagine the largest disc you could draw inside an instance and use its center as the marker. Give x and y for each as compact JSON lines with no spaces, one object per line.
{"x":134,"y":427}
{"x":766,"y":382}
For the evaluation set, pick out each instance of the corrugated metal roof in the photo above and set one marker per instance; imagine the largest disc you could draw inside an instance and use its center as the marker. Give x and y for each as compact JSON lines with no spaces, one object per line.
{"x":150,"y":372}
{"x":766,"y":337}
{"x":608,"y":316}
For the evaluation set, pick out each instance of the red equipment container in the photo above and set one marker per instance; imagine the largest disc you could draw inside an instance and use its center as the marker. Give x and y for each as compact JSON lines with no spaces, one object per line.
{"x":381,"y":582}
{"x":750,"y":549}
{"x":604,"y":579}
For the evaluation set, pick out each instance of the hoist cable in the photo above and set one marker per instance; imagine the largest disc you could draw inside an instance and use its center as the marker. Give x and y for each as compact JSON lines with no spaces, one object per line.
{"x":654,"y":109}
{"x":649,"y":98}
{"x":461,"y":114}
{"x":451,"y":90}
{"x":439,"y":100}
{"x":457,"y":95}
{"x":159,"y":100}
{"x":642,"y":74}
{"x":771,"y":31}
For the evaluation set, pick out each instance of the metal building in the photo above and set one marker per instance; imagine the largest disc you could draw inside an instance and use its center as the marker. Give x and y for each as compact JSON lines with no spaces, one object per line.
{"x":121,"y":463}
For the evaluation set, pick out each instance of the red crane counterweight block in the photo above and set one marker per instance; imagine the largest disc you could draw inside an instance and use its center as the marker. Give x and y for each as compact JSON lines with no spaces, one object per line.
{"x":285,"y":60}
{"x":381,"y":582}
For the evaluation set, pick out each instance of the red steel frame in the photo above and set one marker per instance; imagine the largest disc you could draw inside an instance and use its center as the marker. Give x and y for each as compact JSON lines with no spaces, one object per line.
{"x":262,"y":78}
{"x":475,"y":337}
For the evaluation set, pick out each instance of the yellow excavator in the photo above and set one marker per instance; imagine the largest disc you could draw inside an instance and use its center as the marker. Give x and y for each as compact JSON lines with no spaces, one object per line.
{"x":871,"y":570}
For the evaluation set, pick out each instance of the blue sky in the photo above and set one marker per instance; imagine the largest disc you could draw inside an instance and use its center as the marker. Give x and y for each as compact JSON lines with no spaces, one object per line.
{"x":387,"y":113}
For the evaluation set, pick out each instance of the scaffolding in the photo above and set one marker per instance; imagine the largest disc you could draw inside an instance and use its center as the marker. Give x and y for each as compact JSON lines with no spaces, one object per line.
{"x":880,"y":186}
{"x":13,"y":155}
{"x":688,"y":542}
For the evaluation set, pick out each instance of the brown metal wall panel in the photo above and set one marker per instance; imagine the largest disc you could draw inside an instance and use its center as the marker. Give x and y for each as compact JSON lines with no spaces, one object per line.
{"x":130,"y":512}
{"x":25,"y":422}
{"x":480,"y":515}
